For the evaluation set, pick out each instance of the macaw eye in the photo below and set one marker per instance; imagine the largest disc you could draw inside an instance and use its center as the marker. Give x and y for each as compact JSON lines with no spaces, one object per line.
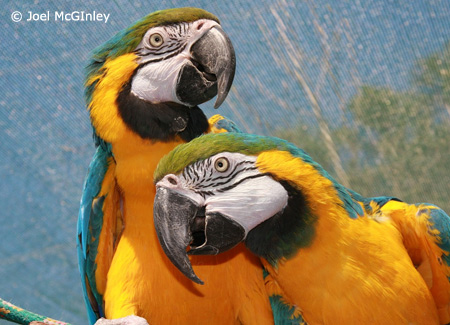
{"x":221,"y":164}
{"x":156,"y":40}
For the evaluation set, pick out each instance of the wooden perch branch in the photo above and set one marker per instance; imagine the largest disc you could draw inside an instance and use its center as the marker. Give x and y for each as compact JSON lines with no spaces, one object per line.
{"x":19,"y":315}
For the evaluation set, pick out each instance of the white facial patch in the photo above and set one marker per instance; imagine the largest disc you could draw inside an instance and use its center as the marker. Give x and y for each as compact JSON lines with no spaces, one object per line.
{"x":251,"y":202}
{"x":156,"y":82}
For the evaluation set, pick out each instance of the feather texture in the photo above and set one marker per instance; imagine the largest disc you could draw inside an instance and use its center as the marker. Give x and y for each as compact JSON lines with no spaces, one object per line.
{"x":86,"y":230}
{"x":333,"y":256}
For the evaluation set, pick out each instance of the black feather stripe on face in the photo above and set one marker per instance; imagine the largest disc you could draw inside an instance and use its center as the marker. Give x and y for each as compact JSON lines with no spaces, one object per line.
{"x":161,"y":121}
{"x":175,"y":43}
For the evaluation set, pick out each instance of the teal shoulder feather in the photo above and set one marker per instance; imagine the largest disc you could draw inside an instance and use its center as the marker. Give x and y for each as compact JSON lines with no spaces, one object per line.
{"x":440,"y":221}
{"x":226,"y":124}
{"x":380,"y":201}
{"x":90,"y":219}
{"x":283,"y":314}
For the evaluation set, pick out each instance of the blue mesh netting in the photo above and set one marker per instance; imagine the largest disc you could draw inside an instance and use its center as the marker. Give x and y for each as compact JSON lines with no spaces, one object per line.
{"x":364,"y":86}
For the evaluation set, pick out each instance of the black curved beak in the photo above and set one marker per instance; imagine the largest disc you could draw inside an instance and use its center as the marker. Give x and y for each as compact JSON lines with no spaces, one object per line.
{"x":210,"y":71}
{"x":181,"y":222}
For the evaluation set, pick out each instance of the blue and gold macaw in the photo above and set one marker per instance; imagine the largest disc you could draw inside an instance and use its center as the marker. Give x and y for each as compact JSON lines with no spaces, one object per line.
{"x":142,"y":91}
{"x":330,"y":255}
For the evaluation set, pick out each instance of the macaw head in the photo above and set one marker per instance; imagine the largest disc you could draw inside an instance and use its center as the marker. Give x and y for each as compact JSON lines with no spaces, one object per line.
{"x":150,"y":75}
{"x":222,"y":189}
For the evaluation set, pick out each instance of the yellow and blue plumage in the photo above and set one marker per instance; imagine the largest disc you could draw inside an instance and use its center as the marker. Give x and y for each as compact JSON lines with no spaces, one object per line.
{"x":142,"y":91}
{"x":331,"y":256}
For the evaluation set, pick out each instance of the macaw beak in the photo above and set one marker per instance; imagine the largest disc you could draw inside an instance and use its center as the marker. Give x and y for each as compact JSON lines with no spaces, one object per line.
{"x":181,"y":223}
{"x":210,"y":71}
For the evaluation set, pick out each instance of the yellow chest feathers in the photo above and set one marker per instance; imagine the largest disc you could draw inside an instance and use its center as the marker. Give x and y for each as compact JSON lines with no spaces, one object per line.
{"x":356,"y":272}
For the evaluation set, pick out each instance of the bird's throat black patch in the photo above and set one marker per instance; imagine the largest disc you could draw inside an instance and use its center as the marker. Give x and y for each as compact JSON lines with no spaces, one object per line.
{"x":162,"y":121}
{"x":286,"y":232}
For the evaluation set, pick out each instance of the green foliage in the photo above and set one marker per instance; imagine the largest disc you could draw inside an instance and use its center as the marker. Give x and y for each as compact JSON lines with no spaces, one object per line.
{"x":395,"y":143}
{"x":385,"y":111}
{"x":432,"y":76}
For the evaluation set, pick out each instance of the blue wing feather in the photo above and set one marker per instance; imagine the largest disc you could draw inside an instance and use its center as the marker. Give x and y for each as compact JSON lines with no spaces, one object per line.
{"x":441,"y":222}
{"x":89,"y":225}
{"x":228,"y":125}
{"x":283,"y":314}
{"x":223,"y":123}
{"x":379,"y":200}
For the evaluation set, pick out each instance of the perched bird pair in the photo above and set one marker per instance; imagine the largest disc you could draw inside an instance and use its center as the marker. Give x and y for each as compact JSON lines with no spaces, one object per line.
{"x":316,"y":251}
